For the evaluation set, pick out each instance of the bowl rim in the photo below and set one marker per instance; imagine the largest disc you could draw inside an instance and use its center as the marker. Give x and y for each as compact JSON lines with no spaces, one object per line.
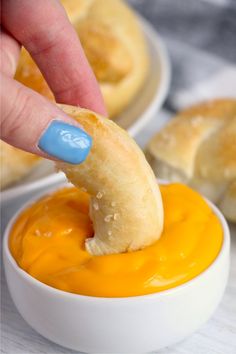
{"x":61,"y":293}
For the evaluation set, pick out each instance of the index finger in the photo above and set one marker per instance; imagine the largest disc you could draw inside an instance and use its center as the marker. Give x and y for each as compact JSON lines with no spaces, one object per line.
{"x":45,"y":31}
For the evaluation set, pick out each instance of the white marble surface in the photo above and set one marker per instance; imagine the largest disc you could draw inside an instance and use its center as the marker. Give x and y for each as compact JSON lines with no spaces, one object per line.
{"x":218,"y":336}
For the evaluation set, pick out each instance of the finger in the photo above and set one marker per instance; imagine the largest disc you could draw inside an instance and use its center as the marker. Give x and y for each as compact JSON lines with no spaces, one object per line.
{"x":9,"y":53}
{"x":34,"y":124}
{"x":44,"y":29}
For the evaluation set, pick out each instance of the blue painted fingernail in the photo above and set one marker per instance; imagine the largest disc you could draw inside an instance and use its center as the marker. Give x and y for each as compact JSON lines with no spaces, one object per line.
{"x":65,"y":142}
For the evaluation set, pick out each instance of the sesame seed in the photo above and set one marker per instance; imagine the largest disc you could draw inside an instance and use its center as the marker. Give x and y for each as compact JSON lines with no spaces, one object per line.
{"x":95,"y":205}
{"x":116,"y":215}
{"x":108,"y":218}
{"x":99,"y":195}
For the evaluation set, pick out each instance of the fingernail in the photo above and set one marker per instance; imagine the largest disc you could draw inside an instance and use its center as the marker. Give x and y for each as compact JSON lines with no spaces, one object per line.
{"x":65,"y":142}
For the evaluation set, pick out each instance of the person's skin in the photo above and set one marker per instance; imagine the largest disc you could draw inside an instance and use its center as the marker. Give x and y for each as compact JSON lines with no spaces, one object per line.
{"x":28,"y":120}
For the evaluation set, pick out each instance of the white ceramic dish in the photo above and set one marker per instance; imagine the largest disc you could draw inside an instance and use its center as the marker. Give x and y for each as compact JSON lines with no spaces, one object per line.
{"x":118,"y":325}
{"x":134,"y":118}
{"x":155,"y":89}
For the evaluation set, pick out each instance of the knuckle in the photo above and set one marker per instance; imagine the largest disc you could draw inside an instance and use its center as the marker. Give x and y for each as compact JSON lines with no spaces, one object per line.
{"x":17,"y":113}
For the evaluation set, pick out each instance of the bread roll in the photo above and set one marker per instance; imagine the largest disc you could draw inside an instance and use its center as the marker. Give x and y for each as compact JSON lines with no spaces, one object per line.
{"x":114,"y":45}
{"x":198,"y":147}
{"x":126,"y":206}
{"x":15,"y":164}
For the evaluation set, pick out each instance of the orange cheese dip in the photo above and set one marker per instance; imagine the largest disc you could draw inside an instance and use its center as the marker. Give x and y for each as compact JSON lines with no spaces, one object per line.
{"x":47,"y":241}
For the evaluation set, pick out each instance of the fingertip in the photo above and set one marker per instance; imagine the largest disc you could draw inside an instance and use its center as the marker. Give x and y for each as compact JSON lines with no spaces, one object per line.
{"x":65,"y":142}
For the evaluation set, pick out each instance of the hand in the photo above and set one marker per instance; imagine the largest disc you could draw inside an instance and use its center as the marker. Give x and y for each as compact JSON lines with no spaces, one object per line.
{"x":28,"y":120}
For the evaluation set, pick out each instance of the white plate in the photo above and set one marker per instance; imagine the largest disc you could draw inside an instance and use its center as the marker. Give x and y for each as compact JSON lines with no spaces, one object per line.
{"x":133,"y":119}
{"x":155,"y":89}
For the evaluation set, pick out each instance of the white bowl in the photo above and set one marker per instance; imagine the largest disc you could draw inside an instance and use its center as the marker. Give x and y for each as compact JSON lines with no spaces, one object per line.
{"x":118,"y":325}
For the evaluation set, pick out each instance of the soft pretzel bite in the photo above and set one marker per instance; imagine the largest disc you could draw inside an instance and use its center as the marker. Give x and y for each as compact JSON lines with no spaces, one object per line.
{"x":126,"y":205}
{"x":198,"y":147}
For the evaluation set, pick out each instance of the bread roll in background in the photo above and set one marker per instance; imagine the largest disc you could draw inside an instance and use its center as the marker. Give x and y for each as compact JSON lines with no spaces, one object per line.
{"x":198,"y":147}
{"x":15,"y":164}
{"x":114,"y":45}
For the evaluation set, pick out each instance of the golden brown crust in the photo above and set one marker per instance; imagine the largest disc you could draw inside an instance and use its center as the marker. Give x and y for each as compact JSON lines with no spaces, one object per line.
{"x":29,"y":75}
{"x":114,"y":45}
{"x":198,"y":147}
{"x":15,"y":164}
{"x":216,"y":157}
{"x":126,"y":207}
{"x":110,"y":60}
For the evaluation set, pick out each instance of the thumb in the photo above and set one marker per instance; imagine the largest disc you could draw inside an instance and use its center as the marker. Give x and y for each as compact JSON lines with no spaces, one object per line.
{"x":32,"y":123}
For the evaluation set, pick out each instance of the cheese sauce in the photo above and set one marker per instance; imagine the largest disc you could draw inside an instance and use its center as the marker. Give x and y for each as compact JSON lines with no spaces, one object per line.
{"x":47,"y":241}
